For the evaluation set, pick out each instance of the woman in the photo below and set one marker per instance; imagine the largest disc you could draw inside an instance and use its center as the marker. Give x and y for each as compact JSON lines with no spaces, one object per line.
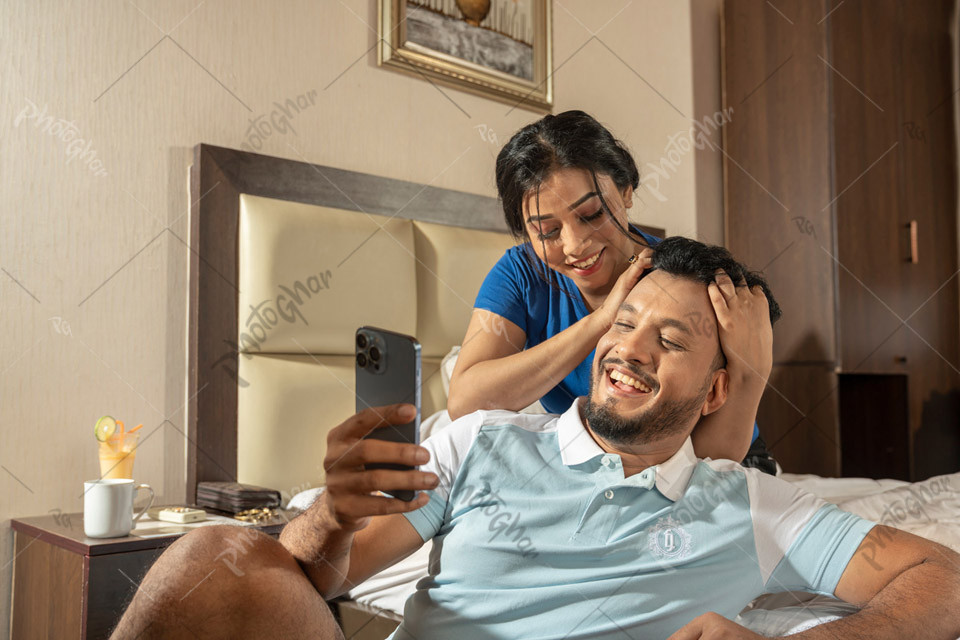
{"x":566,"y":184}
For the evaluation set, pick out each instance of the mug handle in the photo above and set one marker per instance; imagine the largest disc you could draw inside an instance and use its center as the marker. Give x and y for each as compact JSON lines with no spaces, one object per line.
{"x":149,"y":504}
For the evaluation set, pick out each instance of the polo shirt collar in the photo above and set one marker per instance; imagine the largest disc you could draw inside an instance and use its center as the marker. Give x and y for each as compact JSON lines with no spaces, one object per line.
{"x":578,"y":446}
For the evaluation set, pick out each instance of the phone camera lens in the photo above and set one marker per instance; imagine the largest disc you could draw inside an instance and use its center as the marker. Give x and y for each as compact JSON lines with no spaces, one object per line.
{"x":361,"y":341}
{"x":374,"y":354}
{"x":361,"y":360}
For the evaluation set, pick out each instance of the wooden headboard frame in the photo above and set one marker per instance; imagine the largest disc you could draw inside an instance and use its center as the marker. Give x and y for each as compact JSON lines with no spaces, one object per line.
{"x":218,"y":177}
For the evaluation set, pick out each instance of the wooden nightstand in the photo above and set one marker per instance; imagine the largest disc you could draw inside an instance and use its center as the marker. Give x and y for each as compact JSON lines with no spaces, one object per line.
{"x":66,"y":585}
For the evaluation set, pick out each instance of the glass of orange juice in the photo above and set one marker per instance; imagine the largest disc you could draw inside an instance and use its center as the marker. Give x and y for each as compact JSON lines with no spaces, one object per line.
{"x":117,"y":455}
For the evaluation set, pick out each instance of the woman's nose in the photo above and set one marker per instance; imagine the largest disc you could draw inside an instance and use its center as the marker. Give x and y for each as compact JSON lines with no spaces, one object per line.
{"x":574,"y":241}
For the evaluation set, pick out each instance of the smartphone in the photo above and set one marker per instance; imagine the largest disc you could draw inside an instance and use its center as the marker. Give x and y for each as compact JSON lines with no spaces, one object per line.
{"x":388,"y":372}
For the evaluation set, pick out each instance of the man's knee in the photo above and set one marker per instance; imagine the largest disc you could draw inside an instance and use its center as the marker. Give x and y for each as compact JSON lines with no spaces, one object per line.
{"x":224,"y":577}
{"x":222,"y":555}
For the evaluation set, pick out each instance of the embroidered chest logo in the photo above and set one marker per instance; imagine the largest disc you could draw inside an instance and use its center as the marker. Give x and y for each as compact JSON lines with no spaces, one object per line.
{"x":667,"y":539}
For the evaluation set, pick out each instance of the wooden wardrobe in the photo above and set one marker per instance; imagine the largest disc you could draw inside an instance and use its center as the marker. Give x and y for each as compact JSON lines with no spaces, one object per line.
{"x":840,"y":183}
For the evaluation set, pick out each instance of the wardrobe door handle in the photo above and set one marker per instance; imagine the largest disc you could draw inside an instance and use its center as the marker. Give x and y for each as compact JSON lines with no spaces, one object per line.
{"x":914,"y":242}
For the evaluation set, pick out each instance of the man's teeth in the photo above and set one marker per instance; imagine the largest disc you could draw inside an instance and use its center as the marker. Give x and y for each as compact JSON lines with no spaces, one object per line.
{"x":586,"y":264}
{"x":622,"y":377}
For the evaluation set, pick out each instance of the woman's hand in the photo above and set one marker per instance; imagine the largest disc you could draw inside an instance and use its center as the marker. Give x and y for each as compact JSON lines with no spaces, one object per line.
{"x":746,"y":335}
{"x":607,"y":311}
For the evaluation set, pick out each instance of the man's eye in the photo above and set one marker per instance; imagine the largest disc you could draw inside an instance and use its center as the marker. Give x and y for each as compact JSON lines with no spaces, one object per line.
{"x":670,"y":345}
{"x":623,"y":324}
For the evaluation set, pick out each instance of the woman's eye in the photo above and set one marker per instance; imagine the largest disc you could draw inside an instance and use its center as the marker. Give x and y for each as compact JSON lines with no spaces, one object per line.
{"x":593,"y":217}
{"x":548,"y":235}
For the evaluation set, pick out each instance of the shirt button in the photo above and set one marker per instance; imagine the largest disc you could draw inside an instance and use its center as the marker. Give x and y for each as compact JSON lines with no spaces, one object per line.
{"x":608,"y":494}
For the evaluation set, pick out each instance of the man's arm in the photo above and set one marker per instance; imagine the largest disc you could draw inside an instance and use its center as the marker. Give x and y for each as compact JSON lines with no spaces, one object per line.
{"x":349,"y":533}
{"x":908,"y":587}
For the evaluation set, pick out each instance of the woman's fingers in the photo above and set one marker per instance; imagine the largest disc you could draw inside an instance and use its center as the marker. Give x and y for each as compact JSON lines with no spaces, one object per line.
{"x":718,"y":299}
{"x":725,"y":284}
{"x":639,"y":262}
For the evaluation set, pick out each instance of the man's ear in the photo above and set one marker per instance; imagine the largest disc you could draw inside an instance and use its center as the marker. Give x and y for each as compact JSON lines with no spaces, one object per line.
{"x":717,"y":395}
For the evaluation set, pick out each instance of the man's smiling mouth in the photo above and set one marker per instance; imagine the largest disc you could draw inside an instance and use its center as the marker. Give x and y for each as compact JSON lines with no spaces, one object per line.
{"x":626,"y":383}
{"x":616,"y":376}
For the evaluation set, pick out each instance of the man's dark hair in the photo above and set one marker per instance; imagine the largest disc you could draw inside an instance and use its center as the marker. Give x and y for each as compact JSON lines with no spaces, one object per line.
{"x":686,"y":258}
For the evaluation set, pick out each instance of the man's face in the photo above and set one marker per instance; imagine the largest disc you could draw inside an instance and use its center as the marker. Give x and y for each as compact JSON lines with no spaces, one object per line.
{"x":655,"y":370}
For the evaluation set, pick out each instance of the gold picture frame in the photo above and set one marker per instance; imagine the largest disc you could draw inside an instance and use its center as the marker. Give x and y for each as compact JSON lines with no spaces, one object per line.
{"x":420,"y":37}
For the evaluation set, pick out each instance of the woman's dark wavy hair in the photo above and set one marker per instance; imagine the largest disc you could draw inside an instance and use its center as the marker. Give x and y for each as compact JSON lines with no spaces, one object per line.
{"x":568,"y":140}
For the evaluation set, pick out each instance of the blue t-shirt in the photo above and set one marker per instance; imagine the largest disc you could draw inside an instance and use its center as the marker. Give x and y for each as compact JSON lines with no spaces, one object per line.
{"x":516,"y":290}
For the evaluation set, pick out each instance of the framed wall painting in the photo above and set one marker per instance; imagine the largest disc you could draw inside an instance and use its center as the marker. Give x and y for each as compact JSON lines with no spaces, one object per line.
{"x":501,"y":49}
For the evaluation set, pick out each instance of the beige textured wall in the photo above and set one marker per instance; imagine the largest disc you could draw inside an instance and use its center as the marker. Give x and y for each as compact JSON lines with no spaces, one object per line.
{"x":93,"y":256}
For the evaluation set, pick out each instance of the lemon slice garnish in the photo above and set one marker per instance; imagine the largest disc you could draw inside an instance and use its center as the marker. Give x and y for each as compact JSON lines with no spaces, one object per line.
{"x":105,"y":427}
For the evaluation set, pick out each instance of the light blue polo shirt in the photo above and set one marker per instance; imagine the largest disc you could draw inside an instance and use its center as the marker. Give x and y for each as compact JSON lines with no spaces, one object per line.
{"x":537,"y":534}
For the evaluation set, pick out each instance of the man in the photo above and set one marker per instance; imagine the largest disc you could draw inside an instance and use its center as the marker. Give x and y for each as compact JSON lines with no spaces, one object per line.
{"x":598,"y":523}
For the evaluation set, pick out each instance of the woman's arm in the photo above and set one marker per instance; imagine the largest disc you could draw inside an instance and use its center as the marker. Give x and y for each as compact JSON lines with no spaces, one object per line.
{"x":746,"y":336}
{"x":494,"y":371}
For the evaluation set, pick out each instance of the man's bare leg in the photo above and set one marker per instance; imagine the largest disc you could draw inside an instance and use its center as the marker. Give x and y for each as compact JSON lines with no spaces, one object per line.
{"x":229,"y":582}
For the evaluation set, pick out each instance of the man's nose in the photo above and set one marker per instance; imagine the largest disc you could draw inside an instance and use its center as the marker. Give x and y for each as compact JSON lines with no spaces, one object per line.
{"x":636,"y":348}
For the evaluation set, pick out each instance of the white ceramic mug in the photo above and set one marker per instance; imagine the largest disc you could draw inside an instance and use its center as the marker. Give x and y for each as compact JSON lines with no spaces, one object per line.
{"x":108,"y":507}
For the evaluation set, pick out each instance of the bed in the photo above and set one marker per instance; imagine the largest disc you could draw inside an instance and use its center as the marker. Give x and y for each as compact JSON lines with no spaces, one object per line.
{"x":288,"y":258}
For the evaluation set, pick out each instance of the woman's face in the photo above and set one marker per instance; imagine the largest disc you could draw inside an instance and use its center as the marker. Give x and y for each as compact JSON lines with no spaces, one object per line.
{"x":573,"y":234}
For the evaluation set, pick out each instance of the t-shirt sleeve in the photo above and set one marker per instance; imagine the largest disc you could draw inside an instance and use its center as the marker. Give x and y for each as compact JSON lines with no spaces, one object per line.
{"x":447,"y":448}
{"x":503,"y":291}
{"x":803,"y":543}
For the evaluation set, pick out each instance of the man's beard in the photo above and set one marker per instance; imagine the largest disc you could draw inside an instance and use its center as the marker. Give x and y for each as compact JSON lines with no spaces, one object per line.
{"x":661,"y":421}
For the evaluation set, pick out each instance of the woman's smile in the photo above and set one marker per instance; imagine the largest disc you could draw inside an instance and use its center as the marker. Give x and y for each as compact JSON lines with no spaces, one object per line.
{"x":590,"y":265}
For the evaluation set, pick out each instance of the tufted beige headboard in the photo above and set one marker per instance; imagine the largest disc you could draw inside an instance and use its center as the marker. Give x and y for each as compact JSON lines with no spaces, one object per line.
{"x":309,"y":276}
{"x":287,"y":260}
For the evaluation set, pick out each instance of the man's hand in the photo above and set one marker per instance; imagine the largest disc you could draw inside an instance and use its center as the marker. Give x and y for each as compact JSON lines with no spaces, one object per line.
{"x":713,"y":626}
{"x":349,"y":499}
{"x":323,"y":538}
